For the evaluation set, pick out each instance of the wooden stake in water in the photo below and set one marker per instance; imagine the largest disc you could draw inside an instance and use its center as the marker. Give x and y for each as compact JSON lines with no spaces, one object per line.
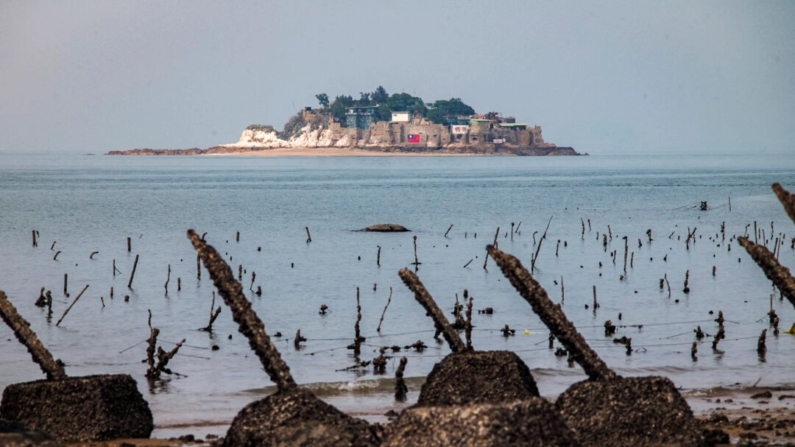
{"x":70,"y":306}
{"x":132,"y":275}
{"x":448,"y":230}
{"x":389,"y":300}
{"x":486,"y":258}
{"x":308,"y":236}
{"x":168,"y":278}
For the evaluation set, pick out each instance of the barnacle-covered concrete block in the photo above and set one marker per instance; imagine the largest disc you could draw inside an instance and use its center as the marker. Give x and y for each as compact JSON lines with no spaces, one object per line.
{"x":91,"y":408}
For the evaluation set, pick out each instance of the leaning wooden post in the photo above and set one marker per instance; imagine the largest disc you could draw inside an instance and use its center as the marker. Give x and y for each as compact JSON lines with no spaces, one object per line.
{"x":552,"y":316}
{"x":51,"y":368}
{"x":426,"y":300}
{"x":132,"y":275}
{"x":308,"y":236}
{"x":248,"y":322}
{"x":486,"y":259}
{"x":70,"y":306}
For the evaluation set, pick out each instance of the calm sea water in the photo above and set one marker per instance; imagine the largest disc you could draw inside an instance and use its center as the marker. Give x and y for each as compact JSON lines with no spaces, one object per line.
{"x":83,"y":204}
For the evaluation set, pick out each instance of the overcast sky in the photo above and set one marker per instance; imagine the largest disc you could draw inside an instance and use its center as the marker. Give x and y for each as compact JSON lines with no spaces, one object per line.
{"x":614,"y":77}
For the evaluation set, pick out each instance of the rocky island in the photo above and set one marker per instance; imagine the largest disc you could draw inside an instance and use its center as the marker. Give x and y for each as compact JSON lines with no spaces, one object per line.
{"x":382,"y":124}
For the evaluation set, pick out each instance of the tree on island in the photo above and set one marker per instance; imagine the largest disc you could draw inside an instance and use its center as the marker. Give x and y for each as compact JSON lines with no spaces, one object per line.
{"x":397,"y":102}
{"x":322,"y":98}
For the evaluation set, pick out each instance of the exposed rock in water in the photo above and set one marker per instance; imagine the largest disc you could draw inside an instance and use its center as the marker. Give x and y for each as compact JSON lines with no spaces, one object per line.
{"x":297,"y":418}
{"x":530,"y":422}
{"x":646,"y":411}
{"x":478,"y":377}
{"x":386,"y":228}
{"x":92,"y":408}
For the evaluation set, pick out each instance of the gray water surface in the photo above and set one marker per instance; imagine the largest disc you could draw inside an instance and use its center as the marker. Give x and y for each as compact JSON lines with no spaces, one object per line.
{"x":87,"y":204}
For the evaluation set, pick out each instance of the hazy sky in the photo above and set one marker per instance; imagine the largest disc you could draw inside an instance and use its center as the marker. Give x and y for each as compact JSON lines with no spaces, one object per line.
{"x":612,"y":77}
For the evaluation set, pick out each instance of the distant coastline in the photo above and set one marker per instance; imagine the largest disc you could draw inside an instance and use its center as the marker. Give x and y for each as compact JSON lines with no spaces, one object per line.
{"x":389,"y":151}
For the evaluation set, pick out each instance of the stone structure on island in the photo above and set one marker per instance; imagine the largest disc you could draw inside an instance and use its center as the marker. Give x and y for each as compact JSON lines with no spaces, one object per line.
{"x":70,"y":409}
{"x":417,"y":135}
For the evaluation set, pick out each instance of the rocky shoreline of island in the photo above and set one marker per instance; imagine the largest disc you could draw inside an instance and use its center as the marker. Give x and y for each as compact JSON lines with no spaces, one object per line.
{"x":355,"y":151}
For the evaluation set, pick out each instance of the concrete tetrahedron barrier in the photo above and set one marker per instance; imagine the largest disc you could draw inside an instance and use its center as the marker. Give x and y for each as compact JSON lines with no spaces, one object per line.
{"x":91,"y":408}
{"x":531,"y":422}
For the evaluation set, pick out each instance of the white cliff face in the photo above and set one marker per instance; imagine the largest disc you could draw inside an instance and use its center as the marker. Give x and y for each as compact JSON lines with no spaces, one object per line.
{"x":306,"y":138}
{"x":259,"y":138}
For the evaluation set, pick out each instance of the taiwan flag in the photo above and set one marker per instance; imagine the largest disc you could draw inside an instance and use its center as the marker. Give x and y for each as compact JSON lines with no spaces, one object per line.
{"x":413,"y":138}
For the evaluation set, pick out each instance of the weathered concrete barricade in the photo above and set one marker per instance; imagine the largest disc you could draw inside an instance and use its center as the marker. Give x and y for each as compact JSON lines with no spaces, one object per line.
{"x":291,"y":416}
{"x":478,"y":377}
{"x":467,"y":376}
{"x":647,"y":411}
{"x":529,"y":422}
{"x":297,"y":418}
{"x":91,"y":408}
{"x":606,"y":410}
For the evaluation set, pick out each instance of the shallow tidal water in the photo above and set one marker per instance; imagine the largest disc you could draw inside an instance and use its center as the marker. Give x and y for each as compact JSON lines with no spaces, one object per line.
{"x":83,"y":204}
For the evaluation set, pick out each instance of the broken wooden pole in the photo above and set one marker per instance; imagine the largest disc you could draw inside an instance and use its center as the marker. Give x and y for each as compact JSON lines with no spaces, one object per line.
{"x":248,"y":323}
{"x":308,"y":236}
{"x":55,"y":258}
{"x":486,"y":258}
{"x":400,"y":384}
{"x":426,"y":301}
{"x":168,"y":278}
{"x":416,"y":261}
{"x":357,"y":338}
{"x":389,"y":300}
{"x":213,"y":316}
{"x":686,"y":289}
{"x":540,"y":241}
{"x":626,"y":251}
{"x":779,"y":274}
{"x":468,"y":328}
{"x":552,"y":316}
{"x":132,"y":275}
{"x":52,"y":368}
{"x":70,"y":306}
{"x":91,"y":256}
